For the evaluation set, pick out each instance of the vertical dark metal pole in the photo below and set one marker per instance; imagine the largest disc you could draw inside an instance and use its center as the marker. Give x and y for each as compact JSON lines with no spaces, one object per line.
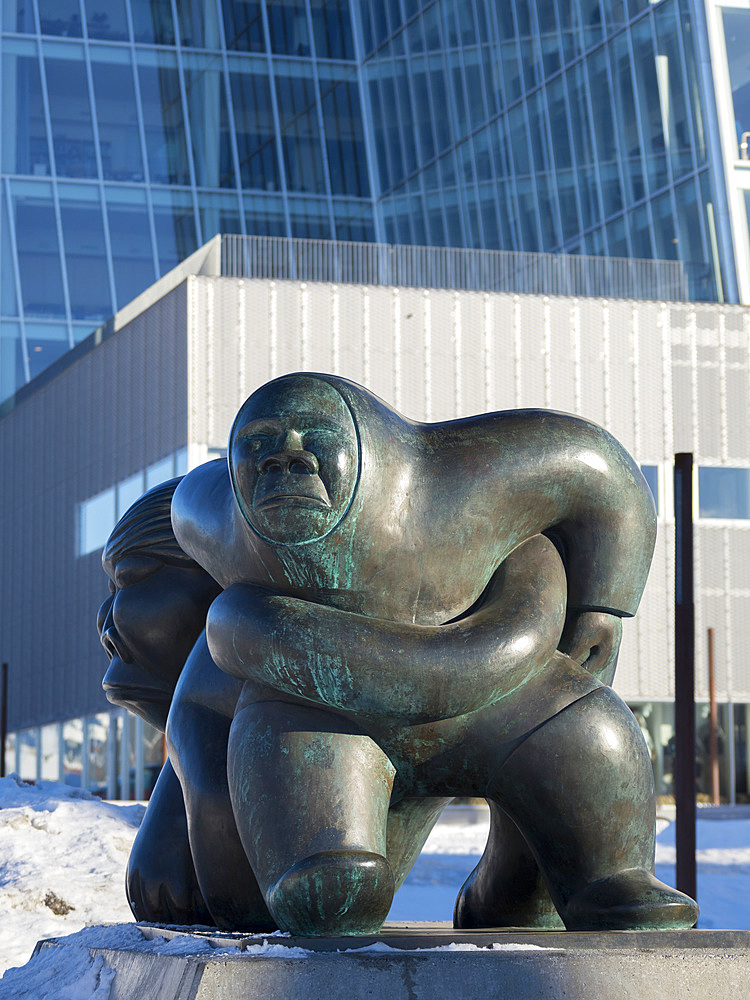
{"x":684,"y":685}
{"x":713,"y":722}
{"x":3,"y":717}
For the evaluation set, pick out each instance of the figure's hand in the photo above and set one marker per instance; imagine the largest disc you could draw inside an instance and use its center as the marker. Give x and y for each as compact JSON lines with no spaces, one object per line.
{"x":394,"y":671}
{"x":592,"y":638}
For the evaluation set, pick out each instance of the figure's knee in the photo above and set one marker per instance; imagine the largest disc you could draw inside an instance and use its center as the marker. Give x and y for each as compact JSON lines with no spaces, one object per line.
{"x":333,"y":893}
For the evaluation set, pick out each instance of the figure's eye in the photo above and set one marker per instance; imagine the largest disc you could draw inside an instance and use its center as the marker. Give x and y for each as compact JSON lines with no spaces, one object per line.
{"x":133,"y":569}
{"x":255,"y":441}
{"x":319,"y":438}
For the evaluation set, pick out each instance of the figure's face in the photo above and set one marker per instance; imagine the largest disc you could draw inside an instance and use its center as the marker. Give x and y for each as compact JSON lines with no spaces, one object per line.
{"x":148,"y":625}
{"x":294,"y":460}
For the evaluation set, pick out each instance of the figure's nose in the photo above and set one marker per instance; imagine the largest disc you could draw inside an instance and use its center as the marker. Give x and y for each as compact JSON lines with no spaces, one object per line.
{"x":291,"y":458}
{"x":110,"y":638}
{"x":114,"y":645}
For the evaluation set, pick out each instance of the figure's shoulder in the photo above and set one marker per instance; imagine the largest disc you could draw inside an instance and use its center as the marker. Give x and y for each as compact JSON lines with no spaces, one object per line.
{"x":203,"y":518}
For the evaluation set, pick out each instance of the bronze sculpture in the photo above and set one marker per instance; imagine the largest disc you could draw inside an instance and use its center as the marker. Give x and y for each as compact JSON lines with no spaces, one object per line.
{"x":410,"y":612}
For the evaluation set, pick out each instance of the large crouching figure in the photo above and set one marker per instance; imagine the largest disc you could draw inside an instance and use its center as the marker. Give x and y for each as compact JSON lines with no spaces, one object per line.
{"x":417,"y":611}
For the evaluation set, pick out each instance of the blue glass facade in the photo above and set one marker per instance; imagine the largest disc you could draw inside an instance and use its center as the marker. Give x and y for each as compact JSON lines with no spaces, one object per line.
{"x":134,"y":130}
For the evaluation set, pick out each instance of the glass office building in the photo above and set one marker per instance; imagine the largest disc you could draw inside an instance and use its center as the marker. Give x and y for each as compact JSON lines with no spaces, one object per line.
{"x":135,"y":130}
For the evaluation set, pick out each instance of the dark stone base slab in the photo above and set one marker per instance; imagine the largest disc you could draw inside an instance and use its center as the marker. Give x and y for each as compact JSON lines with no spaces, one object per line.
{"x":422,"y":961}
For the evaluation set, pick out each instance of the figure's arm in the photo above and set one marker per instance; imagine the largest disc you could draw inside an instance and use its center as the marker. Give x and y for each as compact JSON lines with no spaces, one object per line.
{"x":388,"y":670}
{"x":592,"y":638}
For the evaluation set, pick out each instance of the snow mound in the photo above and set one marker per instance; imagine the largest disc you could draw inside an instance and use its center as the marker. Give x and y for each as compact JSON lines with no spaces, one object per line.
{"x":63,"y":854}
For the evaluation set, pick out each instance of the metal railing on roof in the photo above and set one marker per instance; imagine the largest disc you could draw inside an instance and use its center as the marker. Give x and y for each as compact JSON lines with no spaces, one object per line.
{"x":451,"y":267}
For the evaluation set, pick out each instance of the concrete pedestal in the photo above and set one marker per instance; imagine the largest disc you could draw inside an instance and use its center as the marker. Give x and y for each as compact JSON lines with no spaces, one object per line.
{"x":431,"y":960}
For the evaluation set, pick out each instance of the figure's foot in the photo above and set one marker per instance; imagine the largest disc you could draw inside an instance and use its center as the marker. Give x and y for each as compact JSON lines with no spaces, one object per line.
{"x":631,"y":900}
{"x":333,"y":893}
{"x":473,"y":911}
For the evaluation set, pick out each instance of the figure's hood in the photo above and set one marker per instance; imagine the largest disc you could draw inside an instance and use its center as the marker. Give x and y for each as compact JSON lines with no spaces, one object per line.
{"x":434,"y":509}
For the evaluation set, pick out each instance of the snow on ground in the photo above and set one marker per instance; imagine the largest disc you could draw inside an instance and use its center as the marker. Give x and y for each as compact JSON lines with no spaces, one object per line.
{"x":63,"y":854}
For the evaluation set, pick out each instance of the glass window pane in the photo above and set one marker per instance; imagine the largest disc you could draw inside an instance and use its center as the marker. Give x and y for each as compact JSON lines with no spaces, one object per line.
{"x":73,"y":752}
{"x":128,"y":491}
{"x":345,"y":143}
{"x":287,"y":20}
{"x":724,"y":492}
{"x":651,"y":475}
{"x":7,"y":271}
{"x":219,"y":213}
{"x":107,"y":19}
{"x":86,"y":258}
{"x":254,"y":128}
{"x":60,"y":17}
{"x":117,"y":116}
{"x":332,"y":29}
{"x":153,"y":757}
{"x":626,"y":124}
{"x":45,"y":343}
{"x":737,"y":35}
{"x":264,"y":215}
{"x":640,"y":233}
{"x":152,"y":21}
{"x":25,"y":149}
{"x":174,"y":222}
{"x":28,"y":750}
{"x":243,"y":25}
{"x":354,"y":221}
{"x":199,"y":28}
{"x":130,"y":239}
{"x":672,"y":97}
{"x":10,"y":753}
{"x":608,"y":151}
{"x":12,"y":370}
{"x":164,"y":123}
{"x":70,"y":112}
{"x":181,"y":462}
{"x":300,"y":134}
{"x":97,"y":519}
{"x":310,"y":218}
{"x":37,"y":247}
{"x":97,"y":734}
{"x":209,"y":127}
{"x":18,"y":15}
{"x":160,"y":472}
{"x":651,"y":81}
{"x":50,"y":770}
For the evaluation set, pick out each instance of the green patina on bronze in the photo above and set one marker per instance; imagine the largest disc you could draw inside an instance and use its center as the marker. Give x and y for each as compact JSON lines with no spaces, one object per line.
{"x":411,"y":612}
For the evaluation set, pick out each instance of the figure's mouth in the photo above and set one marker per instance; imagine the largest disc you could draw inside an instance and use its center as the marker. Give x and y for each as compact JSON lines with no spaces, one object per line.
{"x":285,"y":490}
{"x":121,"y":694}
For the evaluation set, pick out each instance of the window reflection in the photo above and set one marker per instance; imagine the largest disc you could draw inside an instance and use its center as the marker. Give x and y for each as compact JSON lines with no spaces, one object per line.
{"x":174,"y":224}
{"x":163,"y":119}
{"x":37,"y":247}
{"x":60,"y":17}
{"x":25,"y":149}
{"x":107,"y":19}
{"x":117,"y":115}
{"x":243,"y":25}
{"x":198,"y":24}
{"x":724,"y":492}
{"x":85,"y":254}
{"x":130,"y":240}
{"x":736,"y":33}
{"x":254,"y":128}
{"x":152,"y":21}
{"x":45,"y":343}
{"x":70,"y":113}
{"x":209,"y":123}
